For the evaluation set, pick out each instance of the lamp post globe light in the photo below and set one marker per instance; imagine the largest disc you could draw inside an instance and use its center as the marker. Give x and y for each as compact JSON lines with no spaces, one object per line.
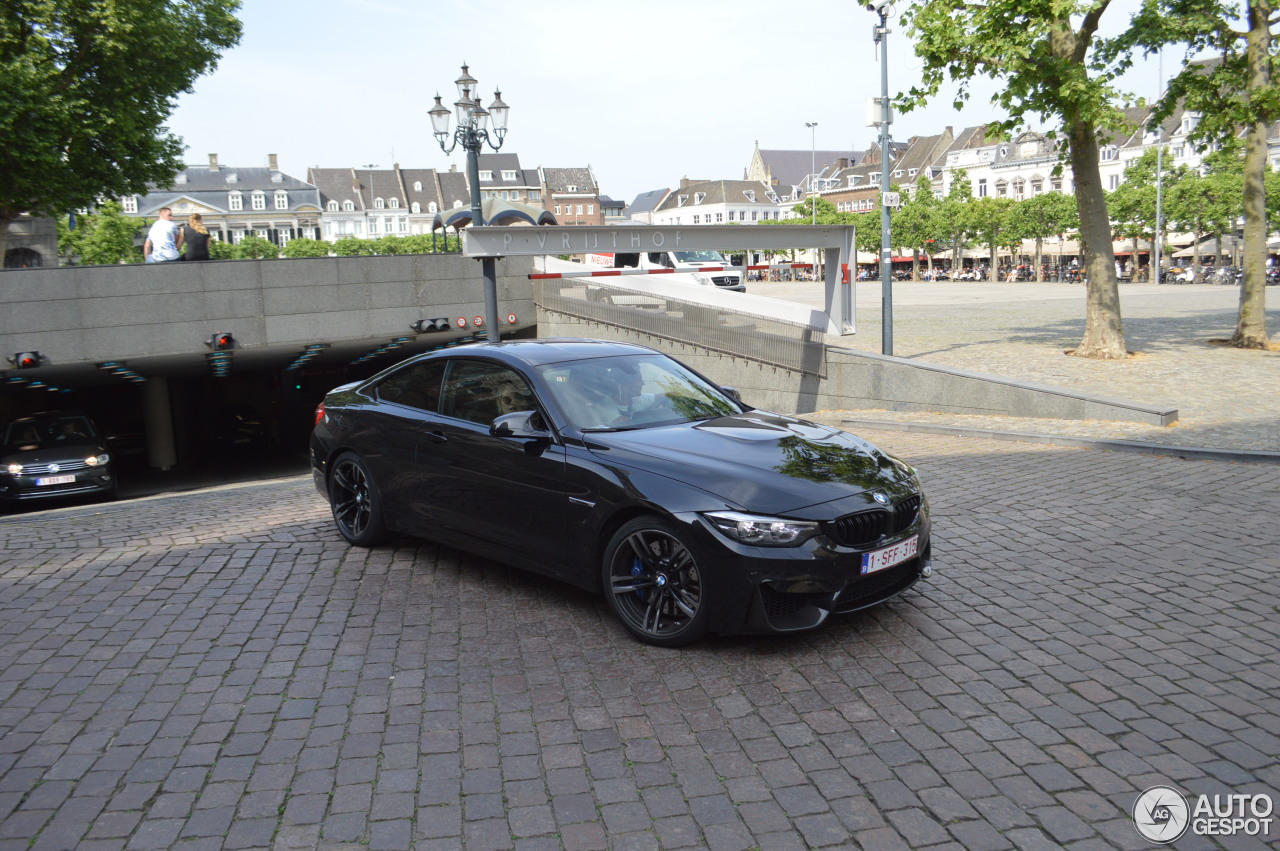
{"x":813,"y":166}
{"x":472,"y":133}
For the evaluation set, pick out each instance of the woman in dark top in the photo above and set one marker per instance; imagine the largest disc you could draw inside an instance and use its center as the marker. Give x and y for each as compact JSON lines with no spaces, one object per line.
{"x":195,"y":238}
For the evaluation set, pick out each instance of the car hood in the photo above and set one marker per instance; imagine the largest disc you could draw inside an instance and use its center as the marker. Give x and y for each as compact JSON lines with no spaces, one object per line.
{"x":52,"y":454}
{"x":762,"y":462}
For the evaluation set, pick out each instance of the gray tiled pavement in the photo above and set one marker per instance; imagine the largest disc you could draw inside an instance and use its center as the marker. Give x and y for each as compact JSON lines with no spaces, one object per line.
{"x":217,"y":670}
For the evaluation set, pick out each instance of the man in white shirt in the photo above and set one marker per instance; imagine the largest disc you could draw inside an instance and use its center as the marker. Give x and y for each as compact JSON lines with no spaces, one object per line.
{"x":163,"y":240}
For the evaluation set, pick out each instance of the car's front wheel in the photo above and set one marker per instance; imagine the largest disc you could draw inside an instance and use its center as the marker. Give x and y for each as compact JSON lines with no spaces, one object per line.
{"x":353,"y":496}
{"x":654,"y":584}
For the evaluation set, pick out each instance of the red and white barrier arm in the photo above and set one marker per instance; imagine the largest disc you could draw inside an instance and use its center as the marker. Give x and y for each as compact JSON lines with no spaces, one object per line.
{"x":609,"y":273}
{"x":780,"y":266}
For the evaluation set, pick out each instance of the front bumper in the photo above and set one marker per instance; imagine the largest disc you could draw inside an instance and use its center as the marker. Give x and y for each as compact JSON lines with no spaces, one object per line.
{"x":785,"y":589}
{"x":24,"y":488}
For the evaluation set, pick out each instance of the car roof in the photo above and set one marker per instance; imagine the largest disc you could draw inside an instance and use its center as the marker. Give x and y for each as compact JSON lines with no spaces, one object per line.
{"x":48,"y":415}
{"x":539,"y":352}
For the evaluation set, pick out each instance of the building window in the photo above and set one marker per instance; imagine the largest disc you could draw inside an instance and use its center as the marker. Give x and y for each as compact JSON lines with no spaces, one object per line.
{"x":129,"y":204}
{"x":235,"y":201}
{"x":378,"y":203}
{"x":486,"y":175}
{"x":535,"y":195}
{"x":348,"y":205}
{"x":417,"y":186}
{"x":1019,"y":188}
{"x":1110,"y":153}
{"x":394,"y":203}
{"x":505,"y":195}
{"x":282,"y":237}
{"x":263,"y":233}
{"x":681,"y":199}
{"x":332,"y":206}
{"x":1113,"y":181}
{"x":754,"y":215}
{"x":415,"y":207}
{"x":982,"y":187}
{"x":508,"y":175}
{"x":591,"y":209}
{"x":719,"y":217}
{"x":572,"y":188}
{"x":309,"y":233}
{"x":387,"y":224}
{"x":557,"y":209}
{"x":373,"y":226}
{"x":1002,"y":188}
{"x":259,"y":201}
{"x":579,"y":209}
{"x":282,"y":200}
{"x":402,"y":224}
{"x":698,"y":196}
{"x":432,"y":208}
{"x":1037,"y":186}
{"x":697,"y":220}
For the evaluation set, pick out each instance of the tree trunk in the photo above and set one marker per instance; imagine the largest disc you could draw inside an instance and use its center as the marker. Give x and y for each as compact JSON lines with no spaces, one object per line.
{"x":1251,"y":326}
{"x":1103,"y":330}
{"x":5,"y":218}
{"x":1039,"y":260}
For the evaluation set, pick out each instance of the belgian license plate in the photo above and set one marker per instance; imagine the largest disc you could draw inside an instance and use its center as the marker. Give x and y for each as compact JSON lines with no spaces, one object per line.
{"x":891,"y":555}
{"x":55,"y":480}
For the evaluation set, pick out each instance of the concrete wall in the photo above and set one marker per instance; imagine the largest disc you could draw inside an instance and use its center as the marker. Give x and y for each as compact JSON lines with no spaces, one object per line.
{"x":860,"y":380}
{"x":94,"y":313}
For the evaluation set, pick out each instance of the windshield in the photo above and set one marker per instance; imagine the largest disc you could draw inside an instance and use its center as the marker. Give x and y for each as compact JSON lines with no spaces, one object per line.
{"x":633,"y":391}
{"x":699,"y":256}
{"x":36,"y":432}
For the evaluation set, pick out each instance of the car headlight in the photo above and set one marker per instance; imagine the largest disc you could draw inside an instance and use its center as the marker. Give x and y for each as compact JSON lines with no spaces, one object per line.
{"x":762,"y":531}
{"x":14,"y":469}
{"x":702,"y":279}
{"x":97,"y":460}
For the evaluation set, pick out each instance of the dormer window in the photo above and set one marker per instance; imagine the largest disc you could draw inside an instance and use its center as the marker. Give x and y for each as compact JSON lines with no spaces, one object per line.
{"x":181,"y":178}
{"x":259,"y":201}
{"x":508,"y":174}
{"x":417,"y":186}
{"x":486,"y":175}
{"x":571,"y":188}
{"x":681,"y":199}
{"x":378,"y":203}
{"x":854,"y":179}
{"x":394,"y":203}
{"x":277,"y":177}
{"x":232,"y":177}
{"x":282,"y":200}
{"x":415,"y":207}
{"x":348,"y":206}
{"x":332,"y":206}
{"x":750,"y":194}
{"x":698,"y":197}
{"x":129,"y":203}
{"x":235,"y":201}
{"x":1110,"y":152}
{"x":431,"y":208}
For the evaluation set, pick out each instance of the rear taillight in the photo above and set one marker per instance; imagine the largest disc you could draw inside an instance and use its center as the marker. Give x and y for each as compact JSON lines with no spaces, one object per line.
{"x":319,"y":413}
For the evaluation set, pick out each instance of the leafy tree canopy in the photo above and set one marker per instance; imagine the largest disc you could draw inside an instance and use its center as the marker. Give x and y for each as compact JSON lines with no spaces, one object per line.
{"x":85,"y":89}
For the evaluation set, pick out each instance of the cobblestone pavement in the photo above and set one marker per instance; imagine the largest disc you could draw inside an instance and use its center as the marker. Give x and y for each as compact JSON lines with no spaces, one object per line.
{"x":1226,"y":398}
{"x":217,"y":670}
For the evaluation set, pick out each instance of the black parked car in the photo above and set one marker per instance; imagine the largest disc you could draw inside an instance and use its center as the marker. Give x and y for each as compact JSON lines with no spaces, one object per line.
{"x":51,"y":455}
{"x":620,"y":470}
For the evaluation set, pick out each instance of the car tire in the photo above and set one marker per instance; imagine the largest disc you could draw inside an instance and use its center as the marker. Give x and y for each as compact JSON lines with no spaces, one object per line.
{"x":654,"y":584}
{"x":354,"y":500}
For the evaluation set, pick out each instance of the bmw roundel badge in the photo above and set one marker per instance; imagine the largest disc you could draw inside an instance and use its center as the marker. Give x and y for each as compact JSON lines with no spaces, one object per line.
{"x":880,"y":498}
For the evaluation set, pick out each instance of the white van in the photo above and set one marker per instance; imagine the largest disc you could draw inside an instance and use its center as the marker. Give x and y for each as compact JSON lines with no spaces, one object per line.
{"x":679,"y":261}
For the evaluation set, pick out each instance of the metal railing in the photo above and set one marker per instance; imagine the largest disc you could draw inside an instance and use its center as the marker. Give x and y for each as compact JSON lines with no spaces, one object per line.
{"x":791,"y":345}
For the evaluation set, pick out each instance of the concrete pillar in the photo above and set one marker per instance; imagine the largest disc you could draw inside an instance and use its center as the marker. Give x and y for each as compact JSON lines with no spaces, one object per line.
{"x":162,"y":453}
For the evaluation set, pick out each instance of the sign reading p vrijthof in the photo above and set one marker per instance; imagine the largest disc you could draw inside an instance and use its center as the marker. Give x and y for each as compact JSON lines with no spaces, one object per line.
{"x":525,"y":241}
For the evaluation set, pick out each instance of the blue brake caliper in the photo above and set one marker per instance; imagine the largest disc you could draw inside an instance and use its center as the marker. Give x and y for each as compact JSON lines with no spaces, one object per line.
{"x":637,"y":570}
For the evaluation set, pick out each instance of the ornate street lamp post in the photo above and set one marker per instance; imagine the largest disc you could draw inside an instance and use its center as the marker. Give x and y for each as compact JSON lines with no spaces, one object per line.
{"x":472,"y":133}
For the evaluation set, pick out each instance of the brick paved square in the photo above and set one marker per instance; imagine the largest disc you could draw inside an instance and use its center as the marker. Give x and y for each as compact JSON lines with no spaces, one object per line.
{"x":179,"y":678}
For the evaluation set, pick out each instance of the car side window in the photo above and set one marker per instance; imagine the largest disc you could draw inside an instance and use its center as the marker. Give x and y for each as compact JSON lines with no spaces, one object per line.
{"x":415,"y":386}
{"x":480,"y":391}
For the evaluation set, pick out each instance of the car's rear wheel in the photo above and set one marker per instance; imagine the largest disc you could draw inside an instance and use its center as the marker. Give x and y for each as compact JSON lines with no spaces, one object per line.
{"x":353,"y":497}
{"x":654,"y":584}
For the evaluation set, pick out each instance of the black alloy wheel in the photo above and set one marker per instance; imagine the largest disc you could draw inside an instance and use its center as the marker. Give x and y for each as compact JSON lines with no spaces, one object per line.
{"x":357,"y":511}
{"x":654,"y":585}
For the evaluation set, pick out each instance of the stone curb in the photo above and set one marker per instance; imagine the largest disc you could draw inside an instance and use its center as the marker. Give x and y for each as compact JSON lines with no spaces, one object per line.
{"x":1188,"y":452}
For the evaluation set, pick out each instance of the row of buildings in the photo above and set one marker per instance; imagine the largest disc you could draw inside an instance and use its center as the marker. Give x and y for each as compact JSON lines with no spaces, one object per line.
{"x":369,"y":202}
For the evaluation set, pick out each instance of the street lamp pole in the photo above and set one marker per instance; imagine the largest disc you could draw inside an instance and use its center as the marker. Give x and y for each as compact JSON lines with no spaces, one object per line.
{"x":472,"y":134}
{"x":368,"y":219}
{"x":880,"y":35}
{"x":813,"y":167}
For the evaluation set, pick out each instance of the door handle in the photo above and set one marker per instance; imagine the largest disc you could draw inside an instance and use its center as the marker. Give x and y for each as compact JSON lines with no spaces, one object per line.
{"x":435,"y":436}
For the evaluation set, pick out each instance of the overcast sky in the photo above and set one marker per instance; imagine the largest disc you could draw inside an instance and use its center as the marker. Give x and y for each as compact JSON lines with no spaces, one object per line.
{"x":644,"y":93}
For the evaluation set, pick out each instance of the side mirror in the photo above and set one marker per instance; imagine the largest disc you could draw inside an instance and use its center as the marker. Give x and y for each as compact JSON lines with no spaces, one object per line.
{"x":732,"y":393}
{"x":519,"y":424}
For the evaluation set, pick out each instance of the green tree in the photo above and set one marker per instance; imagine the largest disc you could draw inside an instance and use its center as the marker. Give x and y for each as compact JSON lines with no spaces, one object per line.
{"x":351,"y":246}
{"x":1239,"y":90}
{"x":253,"y":247}
{"x":219,"y":250}
{"x":85,"y":89}
{"x":990,"y":224}
{"x":1042,"y":216}
{"x":106,"y":236}
{"x":915,"y":224}
{"x":953,"y":218}
{"x":305,"y":248}
{"x":1046,"y":55}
